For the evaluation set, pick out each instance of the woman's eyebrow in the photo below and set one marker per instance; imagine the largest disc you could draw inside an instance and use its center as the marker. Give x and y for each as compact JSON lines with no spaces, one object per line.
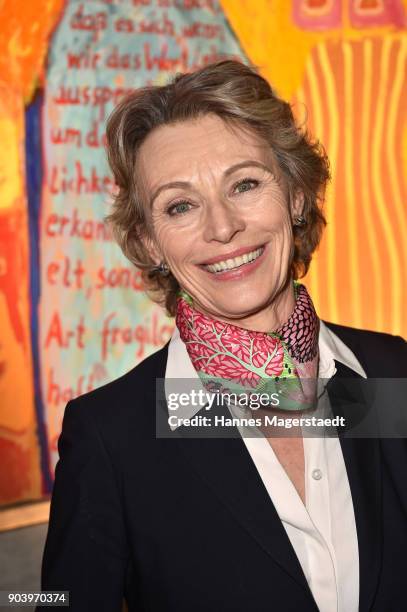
{"x":227,"y":172}
{"x":245,"y":164}
{"x":172,"y":185}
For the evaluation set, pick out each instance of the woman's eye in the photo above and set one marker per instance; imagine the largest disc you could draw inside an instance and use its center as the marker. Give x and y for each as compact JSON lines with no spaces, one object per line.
{"x":178,"y":208}
{"x":246,"y":185}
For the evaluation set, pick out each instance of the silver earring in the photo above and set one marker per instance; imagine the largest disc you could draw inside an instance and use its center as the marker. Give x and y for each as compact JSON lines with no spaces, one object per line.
{"x":162,"y":269}
{"x":300,"y":221}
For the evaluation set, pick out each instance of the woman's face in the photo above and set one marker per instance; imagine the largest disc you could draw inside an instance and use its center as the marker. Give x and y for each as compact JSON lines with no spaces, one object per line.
{"x":219,"y":216}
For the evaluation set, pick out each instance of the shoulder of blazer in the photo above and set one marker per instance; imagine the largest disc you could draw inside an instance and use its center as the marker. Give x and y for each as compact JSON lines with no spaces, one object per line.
{"x":382,"y":355}
{"x":126,"y":400}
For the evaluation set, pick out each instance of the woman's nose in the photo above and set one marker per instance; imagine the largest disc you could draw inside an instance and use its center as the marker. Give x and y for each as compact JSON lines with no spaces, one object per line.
{"x":222,"y":222}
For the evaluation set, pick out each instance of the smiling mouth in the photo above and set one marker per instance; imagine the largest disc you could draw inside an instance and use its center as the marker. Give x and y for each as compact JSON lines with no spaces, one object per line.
{"x":234,"y":262}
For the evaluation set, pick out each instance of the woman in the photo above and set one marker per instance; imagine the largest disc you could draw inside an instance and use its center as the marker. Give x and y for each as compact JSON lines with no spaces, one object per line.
{"x":219,"y":203}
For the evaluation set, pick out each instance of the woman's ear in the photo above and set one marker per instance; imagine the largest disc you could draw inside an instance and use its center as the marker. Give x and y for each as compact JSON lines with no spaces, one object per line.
{"x":297,"y":204}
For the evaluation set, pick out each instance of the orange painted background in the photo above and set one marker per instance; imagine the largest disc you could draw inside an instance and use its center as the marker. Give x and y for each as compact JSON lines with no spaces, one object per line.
{"x":25,"y":28}
{"x":343,"y":65}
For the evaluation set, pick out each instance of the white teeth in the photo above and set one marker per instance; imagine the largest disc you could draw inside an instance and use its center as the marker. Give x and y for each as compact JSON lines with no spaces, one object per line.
{"x":236,"y":262}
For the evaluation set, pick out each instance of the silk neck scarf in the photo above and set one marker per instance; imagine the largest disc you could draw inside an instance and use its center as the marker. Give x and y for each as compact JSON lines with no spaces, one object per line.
{"x":231,"y":359}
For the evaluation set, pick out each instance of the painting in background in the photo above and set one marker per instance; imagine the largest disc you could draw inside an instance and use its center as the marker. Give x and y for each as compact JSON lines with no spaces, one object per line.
{"x":24,"y":33}
{"x":72,"y":310}
{"x":86,"y":318}
{"x":95,"y":321}
{"x":342,"y":63}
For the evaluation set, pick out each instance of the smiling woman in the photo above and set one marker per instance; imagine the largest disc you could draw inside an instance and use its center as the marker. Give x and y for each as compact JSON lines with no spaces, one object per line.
{"x":215,"y":152}
{"x":219,"y":204}
{"x":206,"y":225}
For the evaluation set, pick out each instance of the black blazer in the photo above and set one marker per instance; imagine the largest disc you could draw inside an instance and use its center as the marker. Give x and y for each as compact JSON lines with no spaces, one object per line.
{"x":186,"y":525}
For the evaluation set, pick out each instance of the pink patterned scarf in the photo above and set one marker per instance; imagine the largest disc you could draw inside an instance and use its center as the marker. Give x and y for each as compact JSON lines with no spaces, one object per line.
{"x":229,"y":358}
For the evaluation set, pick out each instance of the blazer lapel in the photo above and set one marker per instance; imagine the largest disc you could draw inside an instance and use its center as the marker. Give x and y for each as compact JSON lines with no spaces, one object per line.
{"x":228,"y":470}
{"x":362,"y":460}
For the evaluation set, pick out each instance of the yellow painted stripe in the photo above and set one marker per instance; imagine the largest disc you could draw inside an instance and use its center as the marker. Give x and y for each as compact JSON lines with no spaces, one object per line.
{"x":350,"y":201}
{"x":391,"y":150}
{"x":315,"y":276}
{"x":370,"y":227}
{"x":394,"y":299}
{"x":332,"y":149}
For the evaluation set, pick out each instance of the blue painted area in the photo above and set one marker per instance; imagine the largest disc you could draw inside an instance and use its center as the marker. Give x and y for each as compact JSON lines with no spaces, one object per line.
{"x":33,"y":156}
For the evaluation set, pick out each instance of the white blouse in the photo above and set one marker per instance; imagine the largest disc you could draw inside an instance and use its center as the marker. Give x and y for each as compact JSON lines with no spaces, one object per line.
{"x":323,"y":531}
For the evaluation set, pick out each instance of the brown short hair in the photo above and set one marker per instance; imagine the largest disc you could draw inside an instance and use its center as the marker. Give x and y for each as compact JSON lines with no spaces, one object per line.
{"x":240,"y":96}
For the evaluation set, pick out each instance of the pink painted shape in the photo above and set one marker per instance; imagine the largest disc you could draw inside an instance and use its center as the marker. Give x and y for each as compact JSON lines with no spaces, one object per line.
{"x":317,"y":15}
{"x":368,"y":13}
